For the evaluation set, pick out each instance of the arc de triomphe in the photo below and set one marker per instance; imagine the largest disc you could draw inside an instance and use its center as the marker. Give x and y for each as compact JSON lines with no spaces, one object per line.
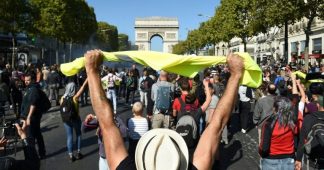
{"x":147,"y":28}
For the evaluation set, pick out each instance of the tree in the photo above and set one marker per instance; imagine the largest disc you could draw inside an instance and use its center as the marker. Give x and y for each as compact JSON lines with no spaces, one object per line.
{"x":50,"y":21}
{"x":179,"y":48}
{"x":15,"y":17}
{"x":65,"y":20}
{"x":84,"y":22}
{"x":280,"y":13}
{"x":123,"y":42}
{"x":238,"y":17}
{"x":311,"y":9}
{"x":107,"y":36}
{"x":195,"y":40}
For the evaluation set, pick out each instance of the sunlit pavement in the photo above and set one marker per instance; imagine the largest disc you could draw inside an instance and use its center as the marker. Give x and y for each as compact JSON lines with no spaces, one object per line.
{"x":241,"y":152}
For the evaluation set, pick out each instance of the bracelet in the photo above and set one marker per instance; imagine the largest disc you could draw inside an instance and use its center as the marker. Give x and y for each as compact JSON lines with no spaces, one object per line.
{"x":25,"y":142}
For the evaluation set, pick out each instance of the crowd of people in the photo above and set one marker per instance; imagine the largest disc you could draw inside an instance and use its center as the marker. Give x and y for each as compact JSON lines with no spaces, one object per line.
{"x":285,"y":110}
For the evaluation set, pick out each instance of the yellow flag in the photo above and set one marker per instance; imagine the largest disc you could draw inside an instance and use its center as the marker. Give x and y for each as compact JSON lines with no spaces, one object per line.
{"x":187,"y":66}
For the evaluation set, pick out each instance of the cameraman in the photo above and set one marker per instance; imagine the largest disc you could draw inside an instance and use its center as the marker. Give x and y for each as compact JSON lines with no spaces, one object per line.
{"x":31,"y":161}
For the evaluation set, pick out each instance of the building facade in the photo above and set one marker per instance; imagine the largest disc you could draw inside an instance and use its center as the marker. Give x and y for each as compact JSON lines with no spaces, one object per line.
{"x":269,"y":47}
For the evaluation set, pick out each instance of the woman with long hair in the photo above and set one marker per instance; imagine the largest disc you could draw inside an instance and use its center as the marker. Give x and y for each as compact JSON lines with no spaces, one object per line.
{"x":286,"y":123}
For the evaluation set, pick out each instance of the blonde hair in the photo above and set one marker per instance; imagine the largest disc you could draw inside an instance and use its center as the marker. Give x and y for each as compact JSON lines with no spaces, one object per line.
{"x":137,"y":108}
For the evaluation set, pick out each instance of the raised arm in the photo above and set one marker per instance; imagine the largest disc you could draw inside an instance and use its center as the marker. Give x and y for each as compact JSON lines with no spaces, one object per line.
{"x":114,"y":145}
{"x":80,"y":91}
{"x":294,"y":84}
{"x":208,"y":96}
{"x":301,"y":90}
{"x":208,"y":144}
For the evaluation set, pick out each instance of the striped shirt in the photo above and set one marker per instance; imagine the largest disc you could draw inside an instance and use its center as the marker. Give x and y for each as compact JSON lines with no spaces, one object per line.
{"x":137,"y":127}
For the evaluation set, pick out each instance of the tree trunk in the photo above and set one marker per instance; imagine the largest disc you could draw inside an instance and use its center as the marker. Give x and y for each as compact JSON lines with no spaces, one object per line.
{"x":244,"y":43}
{"x":70,"y":57}
{"x":13,"y":59}
{"x":64,"y":49}
{"x":57,"y":52}
{"x":286,"y":43}
{"x":307,"y":33}
{"x":42,"y":54}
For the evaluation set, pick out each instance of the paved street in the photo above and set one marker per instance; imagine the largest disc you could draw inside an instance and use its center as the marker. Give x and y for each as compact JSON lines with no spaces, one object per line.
{"x":240,"y":153}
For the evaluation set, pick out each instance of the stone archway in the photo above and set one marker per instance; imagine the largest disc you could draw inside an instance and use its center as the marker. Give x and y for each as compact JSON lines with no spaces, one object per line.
{"x":147,"y":28}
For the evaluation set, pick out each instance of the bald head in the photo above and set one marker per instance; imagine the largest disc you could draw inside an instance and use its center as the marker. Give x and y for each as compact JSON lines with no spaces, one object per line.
{"x":163,"y":75}
{"x":272,"y":89}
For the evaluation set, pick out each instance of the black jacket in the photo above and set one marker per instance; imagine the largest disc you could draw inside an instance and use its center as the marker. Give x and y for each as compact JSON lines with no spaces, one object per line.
{"x":309,"y":121}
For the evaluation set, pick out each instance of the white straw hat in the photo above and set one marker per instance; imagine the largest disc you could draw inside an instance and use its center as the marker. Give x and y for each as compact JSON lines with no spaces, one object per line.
{"x":161,"y":149}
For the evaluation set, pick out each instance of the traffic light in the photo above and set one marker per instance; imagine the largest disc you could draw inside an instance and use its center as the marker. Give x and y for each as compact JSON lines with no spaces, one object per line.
{"x":33,"y":40}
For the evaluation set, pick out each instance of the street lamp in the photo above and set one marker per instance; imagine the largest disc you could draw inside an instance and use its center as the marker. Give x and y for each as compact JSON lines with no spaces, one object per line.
{"x":207,"y":16}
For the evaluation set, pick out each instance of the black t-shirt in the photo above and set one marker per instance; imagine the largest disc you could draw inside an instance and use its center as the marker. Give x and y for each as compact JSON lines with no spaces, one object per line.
{"x":31,"y":97}
{"x":129,"y":164}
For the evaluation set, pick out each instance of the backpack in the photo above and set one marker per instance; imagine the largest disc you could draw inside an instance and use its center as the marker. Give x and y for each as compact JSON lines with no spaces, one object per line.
{"x":111,"y":83}
{"x":45,"y":104}
{"x":315,"y":139}
{"x":124,"y":79}
{"x":200,"y":93}
{"x":219,"y":89}
{"x":266,"y":134}
{"x":145,"y":84}
{"x":130,"y":82}
{"x":121,"y":126}
{"x":281,"y":83}
{"x":187,"y":126}
{"x":163,"y":99}
{"x":67,"y":109}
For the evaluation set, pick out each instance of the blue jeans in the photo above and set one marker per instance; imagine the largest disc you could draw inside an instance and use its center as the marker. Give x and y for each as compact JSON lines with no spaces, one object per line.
{"x":278,"y":164}
{"x":111,"y":95}
{"x":103,"y":164}
{"x":76,"y":124}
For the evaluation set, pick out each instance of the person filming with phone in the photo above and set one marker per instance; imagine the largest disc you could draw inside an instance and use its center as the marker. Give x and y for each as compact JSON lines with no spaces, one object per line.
{"x":31,"y":161}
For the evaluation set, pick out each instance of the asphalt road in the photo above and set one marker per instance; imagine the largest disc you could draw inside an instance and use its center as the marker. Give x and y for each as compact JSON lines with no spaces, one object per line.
{"x":240,"y":153}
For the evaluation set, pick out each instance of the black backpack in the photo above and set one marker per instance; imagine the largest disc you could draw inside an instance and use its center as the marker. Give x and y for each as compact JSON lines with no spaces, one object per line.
{"x":187,"y":126}
{"x":315,"y":139}
{"x":45,"y":104}
{"x":200,"y":93}
{"x":266,"y":134}
{"x":145,"y":84}
{"x":67,"y":109}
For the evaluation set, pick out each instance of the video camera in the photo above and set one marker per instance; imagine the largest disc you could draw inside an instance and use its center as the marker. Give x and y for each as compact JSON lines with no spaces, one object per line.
{"x":9,"y":129}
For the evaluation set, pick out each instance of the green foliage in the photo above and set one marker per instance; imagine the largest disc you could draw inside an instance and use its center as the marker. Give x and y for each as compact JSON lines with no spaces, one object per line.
{"x":195,"y":40}
{"x":65,"y":20}
{"x":107,"y":37}
{"x":15,"y":16}
{"x":123,"y":42}
{"x":240,"y":18}
{"x":276,"y":12}
{"x":80,"y":21}
{"x":311,"y":9}
{"x":180,"y":48}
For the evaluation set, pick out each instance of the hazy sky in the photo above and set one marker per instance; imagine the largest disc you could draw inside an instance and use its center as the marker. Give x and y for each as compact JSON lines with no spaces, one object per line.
{"x":122,"y":13}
